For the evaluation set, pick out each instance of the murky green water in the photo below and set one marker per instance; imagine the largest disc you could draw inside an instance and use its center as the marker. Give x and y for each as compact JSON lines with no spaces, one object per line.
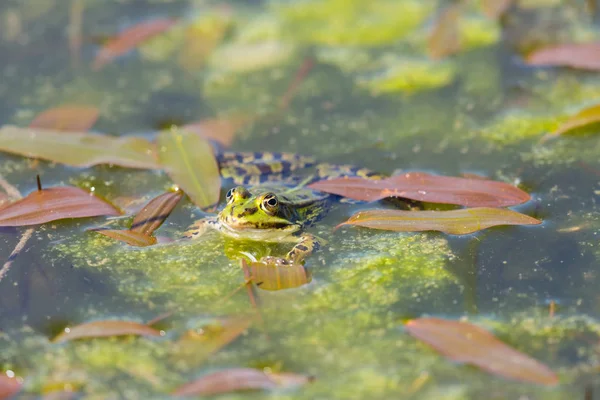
{"x":374,"y":99}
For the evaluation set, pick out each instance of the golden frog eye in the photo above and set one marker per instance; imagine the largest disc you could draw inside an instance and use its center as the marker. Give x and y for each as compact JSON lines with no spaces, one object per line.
{"x":270,"y":203}
{"x":229,"y":195}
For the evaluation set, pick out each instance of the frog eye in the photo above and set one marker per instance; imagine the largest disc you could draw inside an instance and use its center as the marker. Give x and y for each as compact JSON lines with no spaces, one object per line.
{"x":229,"y":195}
{"x":270,"y":203}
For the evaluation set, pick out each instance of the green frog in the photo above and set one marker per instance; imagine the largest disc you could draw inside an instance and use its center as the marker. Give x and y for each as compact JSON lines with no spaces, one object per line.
{"x":258,"y":209}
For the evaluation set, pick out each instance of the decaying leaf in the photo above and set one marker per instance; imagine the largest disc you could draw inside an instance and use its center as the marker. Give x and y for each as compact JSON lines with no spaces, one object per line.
{"x":274,"y":276}
{"x":575,"y":55}
{"x":444,"y":39}
{"x":190,"y":162}
{"x":8,"y":386}
{"x":152,"y":216}
{"x":132,"y":238}
{"x":467,"y":343}
{"x":236,"y":379}
{"x":52,"y":204}
{"x":585,"y":117}
{"x":104,"y":329}
{"x":78,"y":149}
{"x":222,"y":130}
{"x":455,"y":222}
{"x":429,"y":188}
{"x":130,"y":38}
{"x":496,"y":8}
{"x":67,"y":118}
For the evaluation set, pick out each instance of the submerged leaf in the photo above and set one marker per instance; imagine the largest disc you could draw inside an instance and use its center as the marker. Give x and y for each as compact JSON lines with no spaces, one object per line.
{"x":455,"y":222}
{"x":222,"y":130}
{"x":444,"y":39}
{"x":190,"y":162}
{"x":132,"y":238}
{"x":575,"y":55}
{"x":236,"y":379}
{"x":130,"y":38}
{"x":78,"y":149}
{"x":55,"y":203}
{"x":105,"y":328}
{"x":429,"y":188}
{"x":152,"y":216}
{"x":69,"y":118}
{"x":496,"y":8}
{"x":467,"y":343}
{"x":587,"y":116}
{"x":8,"y":387}
{"x":275,"y":276}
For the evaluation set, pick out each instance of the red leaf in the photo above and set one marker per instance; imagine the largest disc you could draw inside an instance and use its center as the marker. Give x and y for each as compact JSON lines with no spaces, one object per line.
{"x":70,"y":118}
{"x":221,"y":130}
{"x":152,"y":216}
{"x":131,"y":238}
{"x":8,"y":387}
{"x":455,"y":222}
{"x":52,"y":204}
{"x":105,"y":328}
{"x":428,"y":188}
{"x":574,"y":55}
{"x":236,"y":379}
{"x":130,"y":38}
{"x":467,"y":343}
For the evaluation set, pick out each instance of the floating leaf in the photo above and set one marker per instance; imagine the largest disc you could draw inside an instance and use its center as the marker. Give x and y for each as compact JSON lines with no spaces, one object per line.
{"x":425,"y":187}
{"x":496,"y":8}
{"x":152,"y":216}
{"x":221,"y":130}
{"x":129,"y":39}
{"x":588,"y":116}
{"x":467,"y":343}
{"x":78,"y":149}
{"x":236,"y":379}
{"x":132,"y":238}
{"x":70,"y":118}
{"x":8,"y":387}
{"x":250,"y":57}
{"x":190,"y":162}
{"x":574,"y":55}
{"x":105,"y":328}
{"x":275,"y":276}
{"x":201,"y":38}
{"x":52,"y":204}
{"x":444,"y":39}
{"x":455,"y":222}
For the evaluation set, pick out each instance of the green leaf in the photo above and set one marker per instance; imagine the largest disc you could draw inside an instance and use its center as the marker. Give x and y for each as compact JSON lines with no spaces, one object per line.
{"x":190,"y":162}
{"x":456,"y":222}
{"x":78,"y":149}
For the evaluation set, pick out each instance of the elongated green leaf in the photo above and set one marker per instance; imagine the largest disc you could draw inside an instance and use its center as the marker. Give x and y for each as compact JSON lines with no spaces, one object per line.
{"x":467,"y":343}
{"x":456,"y":222}
{"x":52,"y":204}
{"x":130,"y":237}
{"x":190,"y":162}
{"x":105,"y":328}
{"x":78,"y":149}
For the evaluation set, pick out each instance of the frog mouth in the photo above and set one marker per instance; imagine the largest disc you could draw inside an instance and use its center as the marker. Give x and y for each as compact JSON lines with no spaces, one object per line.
{"x":268,"y":232}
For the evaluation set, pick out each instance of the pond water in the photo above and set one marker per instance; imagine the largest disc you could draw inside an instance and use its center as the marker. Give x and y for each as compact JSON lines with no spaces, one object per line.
{"x":372,"y":97}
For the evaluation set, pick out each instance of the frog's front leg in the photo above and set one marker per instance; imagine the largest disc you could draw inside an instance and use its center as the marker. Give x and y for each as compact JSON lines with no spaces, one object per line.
{"x":199,"y":227}
{"x":305,"y":247}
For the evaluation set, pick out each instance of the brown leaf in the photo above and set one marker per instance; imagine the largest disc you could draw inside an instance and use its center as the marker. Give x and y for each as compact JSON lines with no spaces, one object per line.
{"x":52,"y":204}
{"x":236,"y":379}
{"x":444,"y":39}
{"x":152,"y":216}
{"x":132,"y":238}
{"x":222,"y":130}
{"x":129,"y":39}
{"x":496,"y":8}
{"x":69,"y":118}
{"x":467,"y":343}
{"x":191,"y":164}
{"x":105,"y":328}
{"x":8,"y":387}
{"x":425,"y":187}
{"x":455,"y":222}
{"x":201,"y":38}
{"x":575,"y":55}
{"x":78,"y":149}
{"x":274,"y":276}
{"x":585,"y":117}
{"x":301,"y":74}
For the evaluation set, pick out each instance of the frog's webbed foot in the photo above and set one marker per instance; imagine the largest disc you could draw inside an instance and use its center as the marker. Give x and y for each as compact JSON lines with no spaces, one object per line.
{"x":199,"y":227}
{"x":305,"y":247}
